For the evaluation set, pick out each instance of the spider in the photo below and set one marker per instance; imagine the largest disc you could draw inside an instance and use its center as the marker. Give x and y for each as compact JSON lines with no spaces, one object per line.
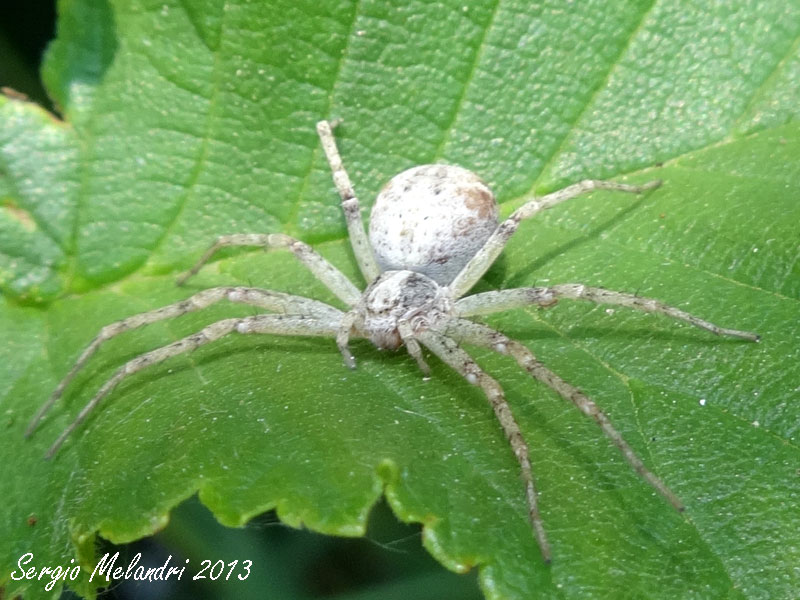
{"x":433,"y":233}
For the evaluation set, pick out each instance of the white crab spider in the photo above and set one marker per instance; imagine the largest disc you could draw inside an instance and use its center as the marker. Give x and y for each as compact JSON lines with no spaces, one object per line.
{"x":433,"y":234}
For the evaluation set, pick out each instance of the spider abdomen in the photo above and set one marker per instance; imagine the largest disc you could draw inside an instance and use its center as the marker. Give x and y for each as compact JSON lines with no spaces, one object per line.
{"x":431,"y":219}
{"x":397,"y":296}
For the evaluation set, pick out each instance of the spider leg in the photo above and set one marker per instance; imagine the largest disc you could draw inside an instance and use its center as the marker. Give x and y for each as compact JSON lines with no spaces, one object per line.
{"x":490,"y":302}
{"x":343,"y":337}
{"x":450,"y":353}
{"x":274,"y":324}
{"x":329,"y":275}
{"x":475,"y":333}
{"x":412,"y":345}
{"x":484,"y":258}
{"x":352,"y":212}
{"x":267,"y":299}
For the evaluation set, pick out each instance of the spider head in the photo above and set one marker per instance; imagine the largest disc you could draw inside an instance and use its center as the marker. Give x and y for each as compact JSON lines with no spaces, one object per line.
{"x":396,"y":298}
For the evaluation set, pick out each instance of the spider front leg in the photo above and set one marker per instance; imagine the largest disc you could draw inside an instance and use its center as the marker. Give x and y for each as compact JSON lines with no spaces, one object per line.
{"x":329,"y":275}
{"x":406,"y":332}
{"x":271,"y":324}
{"x":267,"y":299}
{"x":343,"y":338}
{"x":352,"y":212}
{"x":470,"y":332}
{"x":451,"y":354}
{"x":484,"y":258}
{"x":496,"y":301}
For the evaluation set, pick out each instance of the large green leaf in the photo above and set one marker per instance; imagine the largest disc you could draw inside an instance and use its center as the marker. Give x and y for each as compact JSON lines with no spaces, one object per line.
{"x":187,"y":119}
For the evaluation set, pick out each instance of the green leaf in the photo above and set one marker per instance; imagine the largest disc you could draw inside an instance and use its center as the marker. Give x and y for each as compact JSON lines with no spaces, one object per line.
{"x":185,"y":120}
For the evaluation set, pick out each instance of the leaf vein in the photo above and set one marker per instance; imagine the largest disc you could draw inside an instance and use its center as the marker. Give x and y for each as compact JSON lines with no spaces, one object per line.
{"x":592,"y":96}
{"x":758,"y":92}
{"x":476,"y":59}
{"x":202,"y":156}
{"x":291,"y":220}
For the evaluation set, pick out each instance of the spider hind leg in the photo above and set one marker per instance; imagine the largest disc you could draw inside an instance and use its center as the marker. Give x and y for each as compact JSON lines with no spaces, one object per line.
{"x":448,"y":350}
{"x":482,"y":335}
{"x":273,"y":324}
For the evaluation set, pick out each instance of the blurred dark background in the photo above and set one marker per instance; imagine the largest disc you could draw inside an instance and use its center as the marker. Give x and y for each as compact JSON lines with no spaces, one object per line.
{"x":26,"y":26}
{"x":287,"y":564}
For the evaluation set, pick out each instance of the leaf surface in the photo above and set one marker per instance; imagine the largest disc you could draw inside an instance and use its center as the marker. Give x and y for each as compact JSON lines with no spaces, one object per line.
{"x":186,"y":120}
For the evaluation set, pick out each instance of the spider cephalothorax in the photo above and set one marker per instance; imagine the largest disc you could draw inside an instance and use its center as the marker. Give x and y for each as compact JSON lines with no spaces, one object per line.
{"x":433,"y":234}
{"x":396,"y":298}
